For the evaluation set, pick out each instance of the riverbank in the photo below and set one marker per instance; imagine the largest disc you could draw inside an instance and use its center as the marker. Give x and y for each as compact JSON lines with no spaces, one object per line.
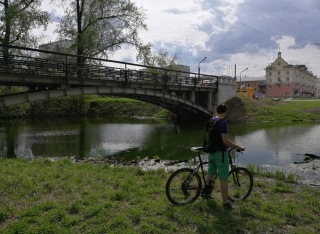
{"x":88,"y":105}
{"x":240,"y":109}
{"x":269,"y":110}
{"x":304,"y":172}
{"x":42,"y":196}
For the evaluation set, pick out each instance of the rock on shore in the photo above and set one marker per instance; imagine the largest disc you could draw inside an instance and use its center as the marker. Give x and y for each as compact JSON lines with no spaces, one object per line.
{"x":306,"y":173}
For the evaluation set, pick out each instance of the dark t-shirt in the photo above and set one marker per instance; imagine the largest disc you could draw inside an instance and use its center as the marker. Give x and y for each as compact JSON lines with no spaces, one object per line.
{"x":223,"y":128}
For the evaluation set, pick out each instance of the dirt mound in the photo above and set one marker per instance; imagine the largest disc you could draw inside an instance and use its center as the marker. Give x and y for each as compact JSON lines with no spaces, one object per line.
{"x":236,"y":110}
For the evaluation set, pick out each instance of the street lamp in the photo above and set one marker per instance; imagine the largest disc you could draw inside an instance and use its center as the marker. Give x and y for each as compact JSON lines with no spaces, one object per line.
{"x":240,"y":77}
{"x":199,"y":66}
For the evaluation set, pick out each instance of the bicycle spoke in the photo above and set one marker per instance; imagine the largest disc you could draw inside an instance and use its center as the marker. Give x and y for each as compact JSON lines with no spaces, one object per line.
{"x":183,"y":187}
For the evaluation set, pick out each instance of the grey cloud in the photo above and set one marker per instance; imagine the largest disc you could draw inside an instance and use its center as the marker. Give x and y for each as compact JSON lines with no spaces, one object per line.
{"x":299,"y":19}
{"x":258,"y":22}
{"x":176,"y":11}
{"x":53,"y":16}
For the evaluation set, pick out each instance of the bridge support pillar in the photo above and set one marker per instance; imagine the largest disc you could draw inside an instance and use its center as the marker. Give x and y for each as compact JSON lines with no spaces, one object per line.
{"x":209,"y":101}
{"x":193,"y":96}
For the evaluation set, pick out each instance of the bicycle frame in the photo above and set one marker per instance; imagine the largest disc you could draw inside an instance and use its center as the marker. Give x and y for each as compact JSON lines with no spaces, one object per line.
{"x":201,"y":164}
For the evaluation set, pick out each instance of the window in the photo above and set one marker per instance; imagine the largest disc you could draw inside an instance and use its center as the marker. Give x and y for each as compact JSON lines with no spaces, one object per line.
{"x":270,"y":80}
{"x":279,"y":73}
{"x":279,"y":63}
{"x":287,"y":79}
{"x":287,"y":85}
{"x":270,"y":73}
{"x":287,"y":72}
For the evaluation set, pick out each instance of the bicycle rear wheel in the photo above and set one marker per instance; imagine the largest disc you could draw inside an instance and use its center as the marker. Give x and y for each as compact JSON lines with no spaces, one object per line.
{"x":240,"y":183}
{"x":183,"y":186}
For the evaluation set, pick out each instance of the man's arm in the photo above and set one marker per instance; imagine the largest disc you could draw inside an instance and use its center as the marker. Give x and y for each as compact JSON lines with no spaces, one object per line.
{"x":229,"y":143}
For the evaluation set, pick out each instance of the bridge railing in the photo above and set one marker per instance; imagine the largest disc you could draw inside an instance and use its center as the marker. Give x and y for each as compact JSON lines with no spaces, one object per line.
{"x":42,"y":63}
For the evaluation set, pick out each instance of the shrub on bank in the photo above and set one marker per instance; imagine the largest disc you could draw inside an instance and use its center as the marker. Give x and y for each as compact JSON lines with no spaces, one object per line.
{"x":90,"y":105}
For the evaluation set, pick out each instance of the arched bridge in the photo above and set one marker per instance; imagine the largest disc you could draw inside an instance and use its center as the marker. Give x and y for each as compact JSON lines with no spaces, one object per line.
{"x":47,"y":74}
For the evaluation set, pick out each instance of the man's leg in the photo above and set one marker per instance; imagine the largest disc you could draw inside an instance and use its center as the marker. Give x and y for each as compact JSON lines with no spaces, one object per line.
{"x":224,"y":191}
{"x":224,"y":195}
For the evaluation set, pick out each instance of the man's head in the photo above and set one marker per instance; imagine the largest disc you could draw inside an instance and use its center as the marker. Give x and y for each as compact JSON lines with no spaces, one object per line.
{"x":221,"y":108}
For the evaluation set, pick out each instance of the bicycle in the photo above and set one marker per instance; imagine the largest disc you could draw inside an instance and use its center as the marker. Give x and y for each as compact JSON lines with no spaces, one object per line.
{"x":184,"y":185}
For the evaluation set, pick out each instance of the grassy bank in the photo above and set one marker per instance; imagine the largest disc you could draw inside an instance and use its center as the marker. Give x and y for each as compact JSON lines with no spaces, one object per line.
{"x":268,"y":110}
{"x":41,"y":196}
{"x":89,"y":105}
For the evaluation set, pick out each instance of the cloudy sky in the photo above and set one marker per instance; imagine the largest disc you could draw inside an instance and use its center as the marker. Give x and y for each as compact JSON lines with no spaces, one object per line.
{"x":245,"y":33}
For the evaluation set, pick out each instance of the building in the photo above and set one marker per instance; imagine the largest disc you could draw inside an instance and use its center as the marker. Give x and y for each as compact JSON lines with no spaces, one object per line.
{"x":286,"y":80}
{"x":62,"y":46}
{"x":257,"y":83}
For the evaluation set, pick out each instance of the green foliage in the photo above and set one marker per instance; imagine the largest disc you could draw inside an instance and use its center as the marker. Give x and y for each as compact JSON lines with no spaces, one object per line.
{"x":124,"y":107}
{"x":90,"y":105}
{"x":101,"y":27}
{"x":18,"y":19}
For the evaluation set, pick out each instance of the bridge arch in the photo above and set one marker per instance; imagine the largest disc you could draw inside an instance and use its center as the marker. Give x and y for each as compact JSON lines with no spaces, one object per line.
{"x":177,"y":105}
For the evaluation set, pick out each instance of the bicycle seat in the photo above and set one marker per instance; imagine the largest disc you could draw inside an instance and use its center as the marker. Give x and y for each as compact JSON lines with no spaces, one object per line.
{"x":197,"y":149}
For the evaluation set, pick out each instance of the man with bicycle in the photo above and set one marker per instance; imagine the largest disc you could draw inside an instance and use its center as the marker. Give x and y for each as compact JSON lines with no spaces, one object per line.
{"x":219,"y":162}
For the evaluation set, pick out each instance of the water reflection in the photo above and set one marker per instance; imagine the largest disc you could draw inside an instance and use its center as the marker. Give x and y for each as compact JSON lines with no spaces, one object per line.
{"x":130,"y":138}
{"x":281,"y":144}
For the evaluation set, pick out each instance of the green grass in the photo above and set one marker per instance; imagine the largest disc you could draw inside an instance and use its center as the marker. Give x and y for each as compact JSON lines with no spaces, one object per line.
{"x":41,"y":196}
{"x":123,"y":107}
{"x":280,"y":111}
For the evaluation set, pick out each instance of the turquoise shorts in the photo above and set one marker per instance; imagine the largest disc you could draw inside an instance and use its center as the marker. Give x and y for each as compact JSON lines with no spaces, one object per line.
{"x":217,"y":167}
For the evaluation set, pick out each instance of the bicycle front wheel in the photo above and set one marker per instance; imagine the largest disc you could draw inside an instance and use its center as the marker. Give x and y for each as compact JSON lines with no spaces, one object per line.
{"x":183,"y":186}
{"x":240,"y":183}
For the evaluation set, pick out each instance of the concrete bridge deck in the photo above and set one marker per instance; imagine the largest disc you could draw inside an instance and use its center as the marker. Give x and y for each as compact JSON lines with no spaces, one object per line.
{"x":47,"y":74}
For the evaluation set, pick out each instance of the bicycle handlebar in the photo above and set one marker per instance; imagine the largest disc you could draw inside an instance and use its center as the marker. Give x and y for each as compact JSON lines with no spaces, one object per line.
{"x":238,"y":150}
{"x":200,"y":149}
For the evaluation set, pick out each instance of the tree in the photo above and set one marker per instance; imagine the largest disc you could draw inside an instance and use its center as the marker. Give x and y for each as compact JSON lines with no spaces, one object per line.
{"x":17,"y":19}
{"x":101,"y":27}
{"x":159,"y":59}
{"x":161,"y":66}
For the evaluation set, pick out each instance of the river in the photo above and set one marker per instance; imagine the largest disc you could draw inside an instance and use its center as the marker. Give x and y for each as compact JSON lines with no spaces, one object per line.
{"x":128,"y":138}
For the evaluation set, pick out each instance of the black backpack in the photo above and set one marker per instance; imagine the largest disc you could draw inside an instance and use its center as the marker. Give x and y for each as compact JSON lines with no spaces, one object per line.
{"x":212,"y":139}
